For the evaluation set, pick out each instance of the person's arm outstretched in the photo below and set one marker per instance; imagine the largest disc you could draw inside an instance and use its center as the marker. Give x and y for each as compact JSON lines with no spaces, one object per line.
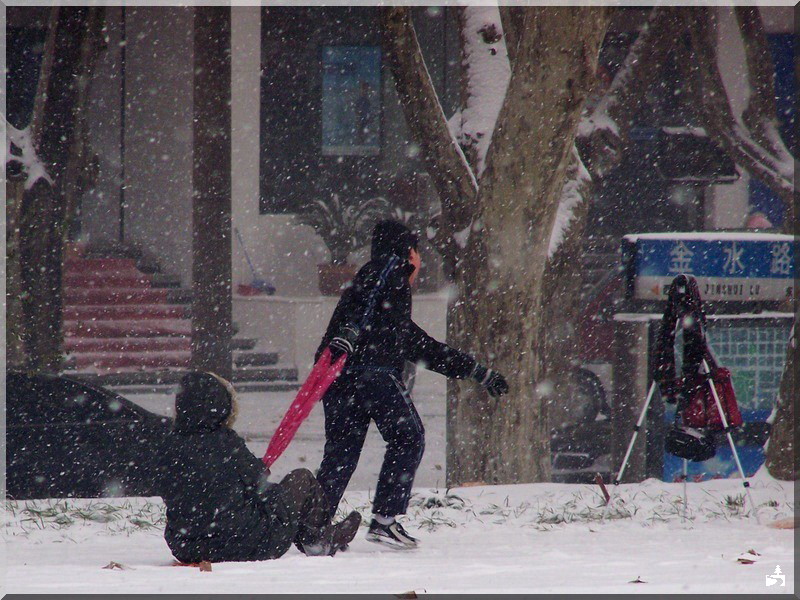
{"x":448,"y":361}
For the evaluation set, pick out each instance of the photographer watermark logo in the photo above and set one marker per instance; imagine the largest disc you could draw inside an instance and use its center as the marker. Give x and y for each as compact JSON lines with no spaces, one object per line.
{"x":775,"y":577}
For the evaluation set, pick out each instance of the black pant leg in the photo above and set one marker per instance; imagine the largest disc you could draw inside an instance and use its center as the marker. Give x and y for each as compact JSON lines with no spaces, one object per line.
{"x":398,"y":421}
{"x":346,"y":425}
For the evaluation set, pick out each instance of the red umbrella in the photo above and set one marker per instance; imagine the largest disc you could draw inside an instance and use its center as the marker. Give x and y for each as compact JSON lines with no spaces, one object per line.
{"x":319,"y":380}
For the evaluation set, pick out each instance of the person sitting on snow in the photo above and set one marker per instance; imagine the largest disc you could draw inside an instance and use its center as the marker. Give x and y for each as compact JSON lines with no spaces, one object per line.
{"x":220,"y":506}
{"x":370,"y":386}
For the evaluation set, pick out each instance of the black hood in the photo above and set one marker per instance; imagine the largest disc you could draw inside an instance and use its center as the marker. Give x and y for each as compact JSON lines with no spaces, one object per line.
{"x":202,"y":403}
{"x":392,"y":238}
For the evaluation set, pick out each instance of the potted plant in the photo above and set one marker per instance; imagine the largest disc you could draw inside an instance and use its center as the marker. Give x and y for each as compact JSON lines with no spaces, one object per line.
{"x":344,"y":228}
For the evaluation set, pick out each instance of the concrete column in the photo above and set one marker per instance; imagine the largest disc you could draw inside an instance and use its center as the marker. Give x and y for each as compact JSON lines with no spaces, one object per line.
{"x":211,"y":229}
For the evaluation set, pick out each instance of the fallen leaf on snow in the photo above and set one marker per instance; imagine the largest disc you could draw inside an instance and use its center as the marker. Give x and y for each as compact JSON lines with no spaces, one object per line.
{"x":203,"y":566}
{"x":637,"y":580}
{"x":116,"y":565}
{"x":784,"y":524}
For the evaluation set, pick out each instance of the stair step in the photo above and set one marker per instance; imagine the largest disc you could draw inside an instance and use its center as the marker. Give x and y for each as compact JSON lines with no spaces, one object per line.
{"x":278,"y":375}
{"x":119,"y":329}
{"x":127,"y":390}
{"x":139,"y":344}
{"x":165,"y":280}
{"x":126,"y":360}
{"x":95,"y":265}
{"x":123,"y":359}
{"x":178,"y":295}
{"x":88,"y":312}
{"x":76,"y":345}
{"x":133,"y":279}
{"x":255,"y":359}
{"x":264,"y":374}
{"x":74,"y":296}
{"x":243,"y":343}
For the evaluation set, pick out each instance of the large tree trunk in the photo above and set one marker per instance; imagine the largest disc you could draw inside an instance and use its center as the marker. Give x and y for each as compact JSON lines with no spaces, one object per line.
{"x":782,"y":459}
{"x":211,"y":229}
{"x":498,"y":311}
{"x":15,"y":348}
{"x":561,"y":286}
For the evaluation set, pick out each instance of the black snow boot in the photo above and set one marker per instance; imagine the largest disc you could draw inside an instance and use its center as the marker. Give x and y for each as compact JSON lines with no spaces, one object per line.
{"x":334,"y":537}
{"x":392,"y":535}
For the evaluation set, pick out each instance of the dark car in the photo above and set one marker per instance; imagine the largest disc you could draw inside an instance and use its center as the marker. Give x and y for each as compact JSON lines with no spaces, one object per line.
{"x":65,"y":438}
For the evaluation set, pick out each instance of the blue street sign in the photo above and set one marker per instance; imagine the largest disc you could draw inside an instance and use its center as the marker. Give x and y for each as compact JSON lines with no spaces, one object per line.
{"x":732,"y":266}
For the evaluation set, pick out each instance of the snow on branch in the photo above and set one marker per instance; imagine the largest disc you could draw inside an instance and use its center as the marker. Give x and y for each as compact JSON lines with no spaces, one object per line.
{"x":487,"y":75}
{"x":19,"y":149}
{"x":637,"y":61}
{"x":603,"y":130}
{"x":761,"y":152}
{"x":452,"y":175}
{"x":573,"y":194}
{"x":760,"y":115}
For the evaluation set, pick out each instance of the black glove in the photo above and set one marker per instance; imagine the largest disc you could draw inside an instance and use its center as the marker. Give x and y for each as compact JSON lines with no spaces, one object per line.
{"x":493,"y":381}
{"x":344,"y":342}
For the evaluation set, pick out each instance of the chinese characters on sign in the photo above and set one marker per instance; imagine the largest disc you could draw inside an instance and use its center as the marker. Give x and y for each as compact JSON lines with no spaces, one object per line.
{"x":728,"y":266}
{"x":733,"y":262}
{"x":781,"y":260}
{"x":681,"y":259}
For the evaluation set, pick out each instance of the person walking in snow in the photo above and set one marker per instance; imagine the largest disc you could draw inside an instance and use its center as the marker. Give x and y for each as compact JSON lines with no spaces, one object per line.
{"x":220,"y":506}
{"x":372,"y":324}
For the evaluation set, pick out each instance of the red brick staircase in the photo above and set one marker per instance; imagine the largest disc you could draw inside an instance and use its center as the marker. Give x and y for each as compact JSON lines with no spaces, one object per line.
{"x":122,"y":329}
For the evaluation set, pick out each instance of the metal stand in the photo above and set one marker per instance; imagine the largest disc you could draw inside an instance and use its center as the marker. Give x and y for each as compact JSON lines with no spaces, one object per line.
{"x":685,"y":462}
{"x":745,"y":483}
{"x":636,"y":429}
{"x":685,"y":493}
{"x":635,"y":433}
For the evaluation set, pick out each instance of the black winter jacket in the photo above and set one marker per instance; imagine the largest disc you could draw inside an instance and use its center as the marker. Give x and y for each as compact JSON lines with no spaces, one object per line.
{"x":219,"y":505}
{"x":389,"y":337}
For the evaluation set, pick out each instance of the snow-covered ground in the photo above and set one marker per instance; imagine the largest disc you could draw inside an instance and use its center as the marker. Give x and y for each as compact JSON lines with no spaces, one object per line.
{"x":537,"y":538}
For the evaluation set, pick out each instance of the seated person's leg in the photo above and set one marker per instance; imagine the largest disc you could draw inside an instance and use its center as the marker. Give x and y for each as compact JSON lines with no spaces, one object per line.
{"x":309,"y":508}
{"x":307,"y":504}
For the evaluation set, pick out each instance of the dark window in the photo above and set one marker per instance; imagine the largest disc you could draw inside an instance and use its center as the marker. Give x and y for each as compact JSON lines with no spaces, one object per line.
{"x":351,"y":100}
{"x":310,"y":144}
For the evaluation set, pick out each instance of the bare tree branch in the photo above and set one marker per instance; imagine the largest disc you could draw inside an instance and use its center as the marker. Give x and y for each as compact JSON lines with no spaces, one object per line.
{"x":604,"y":134}
{"x":775,"y":170}
{"x":445,"y":161}
{"x":485,"y":80}
{"x":760,"y":70}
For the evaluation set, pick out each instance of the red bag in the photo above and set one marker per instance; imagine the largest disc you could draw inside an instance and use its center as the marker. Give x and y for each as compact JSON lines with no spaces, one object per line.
{"x":702,"y":410}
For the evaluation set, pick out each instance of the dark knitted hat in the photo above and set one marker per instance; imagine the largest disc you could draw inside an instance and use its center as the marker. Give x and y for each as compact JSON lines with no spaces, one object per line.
{"x":392,"y":238}
{"x":203,"y":402}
